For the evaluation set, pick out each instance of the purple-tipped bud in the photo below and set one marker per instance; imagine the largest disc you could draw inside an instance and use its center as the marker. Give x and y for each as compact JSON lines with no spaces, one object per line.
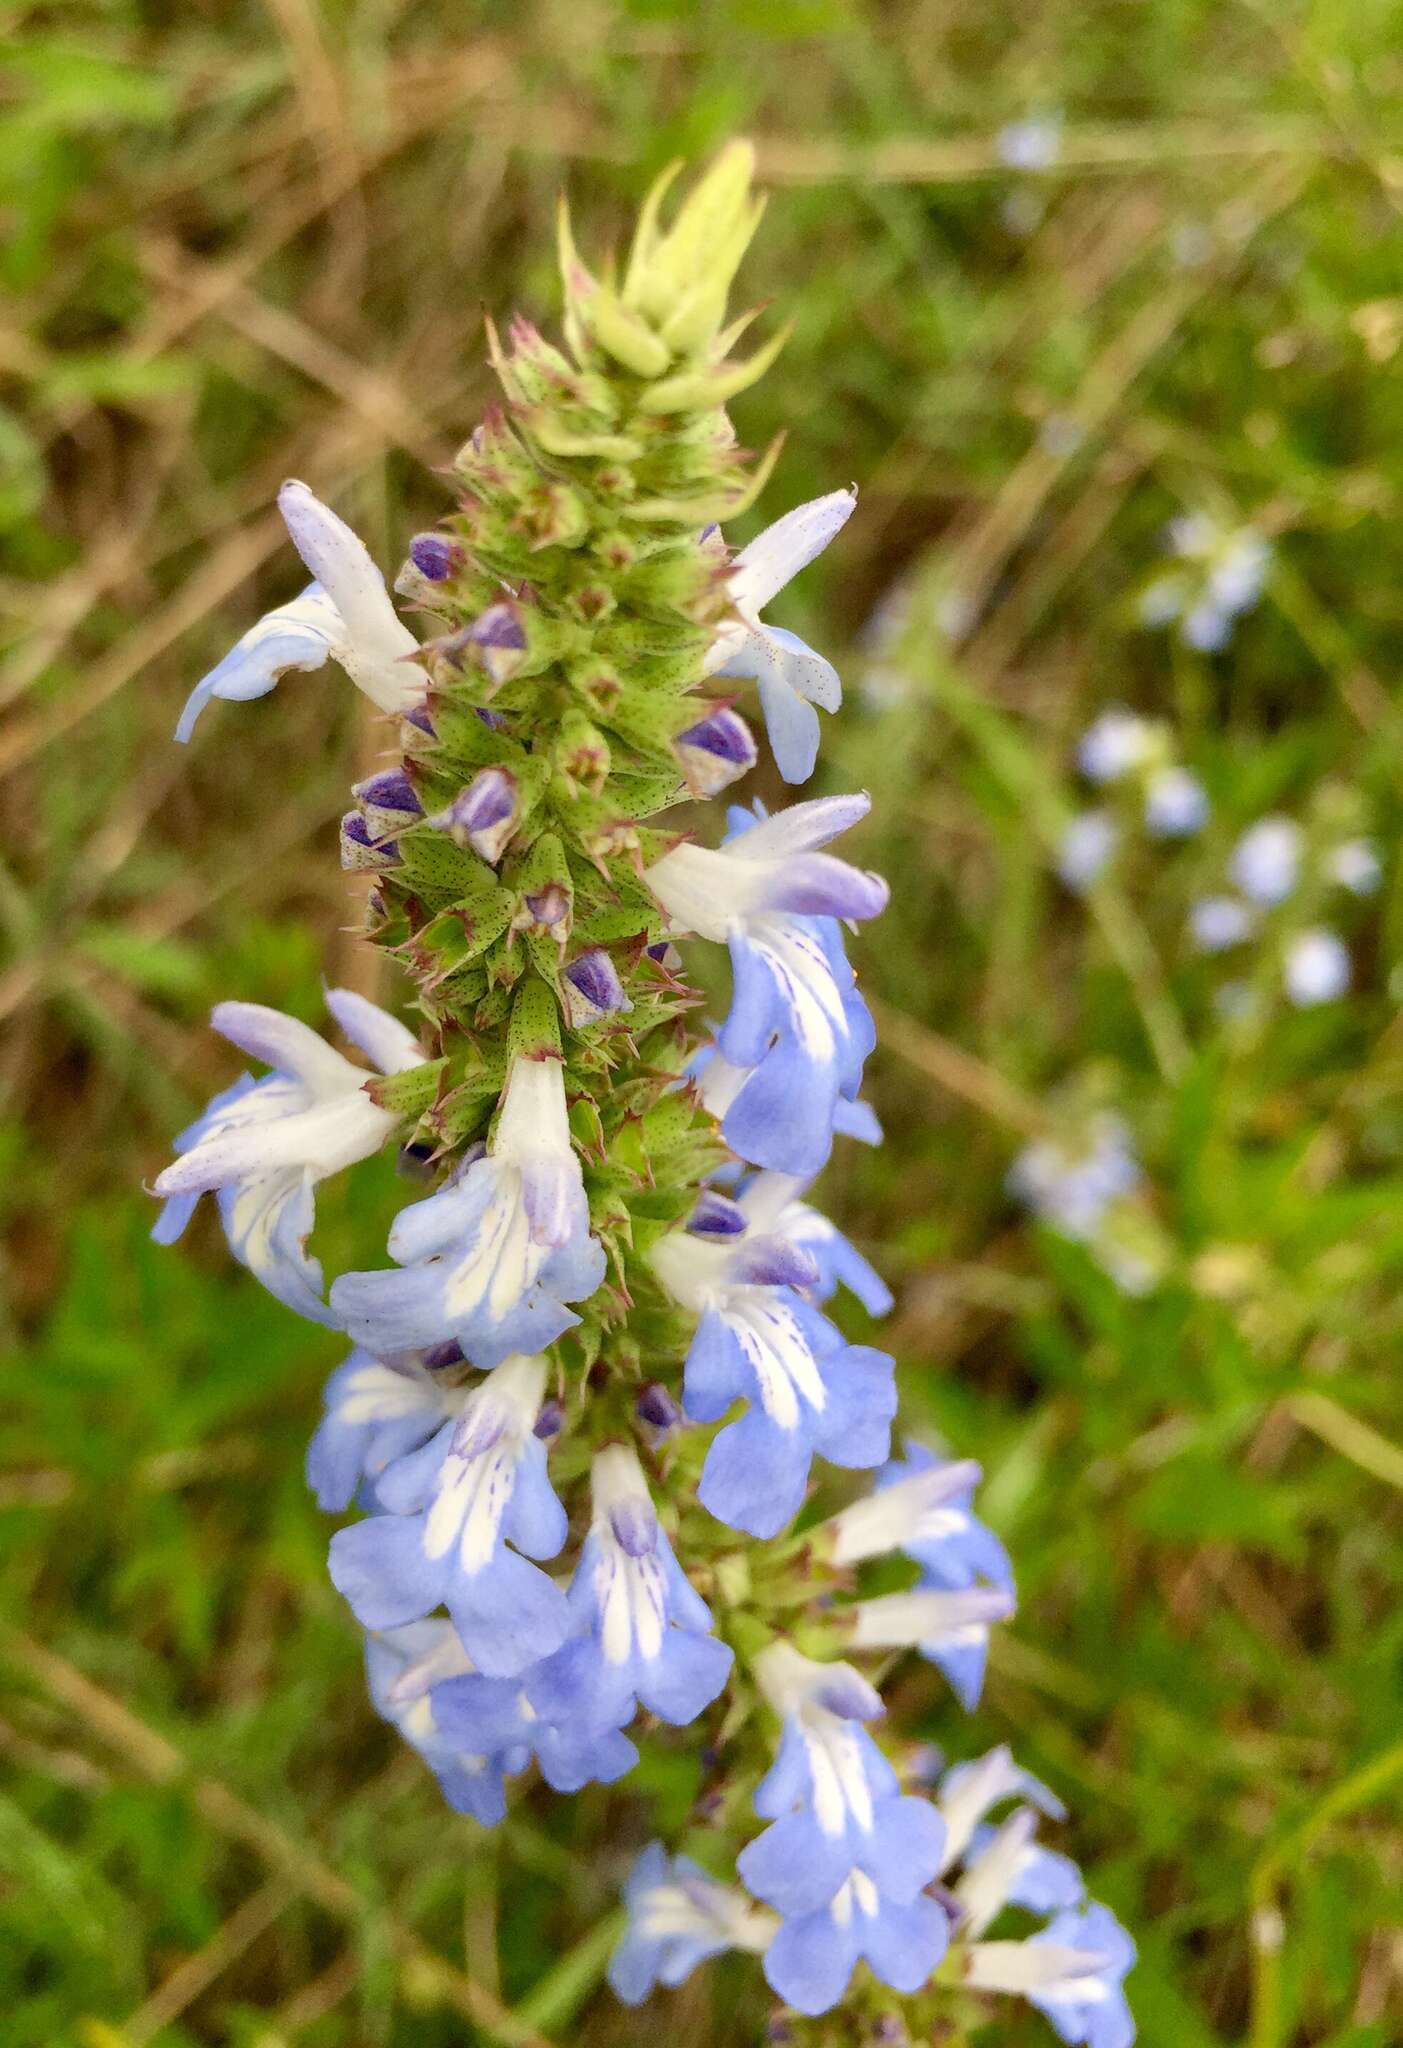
{"x":718,"y":750}
{"x":716,"y":1215}
{"x":666,"y":955}
{"x":436,"y":556}
{"x":551,"y":1419}
{"x":500,"y":639}
{"x":483,"y":816}
{"x":360,"y":854}
{"x":775,"y":1262}
{"x":656,"y":1407}
{"x":417,"y":716}
{"x":549,"y":906}
{"x":592,"y":989}
{"x":387,"y":802}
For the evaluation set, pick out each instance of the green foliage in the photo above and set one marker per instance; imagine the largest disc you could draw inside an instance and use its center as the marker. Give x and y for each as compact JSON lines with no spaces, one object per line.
{"x":241,"y":243}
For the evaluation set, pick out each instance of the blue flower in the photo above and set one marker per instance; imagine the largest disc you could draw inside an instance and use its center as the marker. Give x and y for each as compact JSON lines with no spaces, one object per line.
{"x":951,"y":1630}
{"x":922,"y":1505}
{"x":848,"y":1856}
{"x":263,"y":1145}
{"x":454,"y":1506}
{"x":405,"y":1668}
{"x":760,"y":1341}
{"x":969,"y":1791}
{"x":792,"y":679}
{"x":492,"y":1258}
{"x":771,"y":1205}
{"x":495,"y":1716}
{"x":677,"y":1917}
{"x":345,"y":615}
{"x":1005,"y":1866}
{"x":642,"y":1633}
{"x":1072,"y":1970}
{"x":793,"y":1045}
{"x":374,"y":1414}
{"x":1086,"y":2004}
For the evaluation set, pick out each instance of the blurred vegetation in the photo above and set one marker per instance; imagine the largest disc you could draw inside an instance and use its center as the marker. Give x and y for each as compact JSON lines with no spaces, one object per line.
{"x":242,"y":242}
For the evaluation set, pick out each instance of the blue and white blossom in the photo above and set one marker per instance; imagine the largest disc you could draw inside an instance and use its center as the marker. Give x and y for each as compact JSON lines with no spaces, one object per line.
{"x":792,"y":679}
{"x":922,"y":1505}
{"x":404,"y":1667}
{"x":460,"y":1519}
{"x":493,"y":1257}
{"x":950,"y":1629}
{"x":798,"y":1033}
{"x":1072,"y":1970}
{"x":346,"y":616}
{"x":1072,"y":1967}
{"x":263,"y":1145}
{"x":677,"y":1918}
{"x":640,"y":1631}
{"x":759,"y":1340}
{"x":848,"y":1856}
{"x":496,"y":1716}
{"x":771,"y":1206}
{"x":376,"y":1410}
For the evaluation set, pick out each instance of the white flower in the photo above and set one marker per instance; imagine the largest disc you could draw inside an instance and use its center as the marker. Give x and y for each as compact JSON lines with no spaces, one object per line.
{"x":345,"y":614}
{"x":265,"y":1144}
{"x":791,"y":677}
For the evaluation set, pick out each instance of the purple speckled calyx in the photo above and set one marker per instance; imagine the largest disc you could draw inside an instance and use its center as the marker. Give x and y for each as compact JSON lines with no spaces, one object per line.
{"x":716,"y":751}
{"x":593,"y":988}
{"x":436,"y":556}
{"x":360,"y":851}
{"x":483,"y":816}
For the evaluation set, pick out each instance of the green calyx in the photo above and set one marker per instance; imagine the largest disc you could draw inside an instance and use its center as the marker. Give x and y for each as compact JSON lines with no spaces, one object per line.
{"x":583,"y":591}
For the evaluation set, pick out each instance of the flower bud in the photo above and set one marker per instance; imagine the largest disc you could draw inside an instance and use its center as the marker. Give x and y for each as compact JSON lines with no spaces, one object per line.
{"x":499,"y":636}
{"x":436,"y":556}
{"x":484,"y":815}
{"x":549,"y":906}
{"x":657,"y":1408}
{"x":592,"y":989}
{"x":360,"y":852}
{"x":388,"y":803}
{"x":717,"y":750}
{"x":550,"y":1420}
